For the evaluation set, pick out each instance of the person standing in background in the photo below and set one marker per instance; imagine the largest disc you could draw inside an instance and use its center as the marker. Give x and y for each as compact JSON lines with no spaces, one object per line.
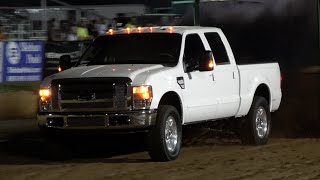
{"x":2,"y":35}
{"x":102,"y":27}
{"x":82,"y":31}
{"x":92,"y":29}
{"x":131,"y":23}
{"x":50,"y":27}
{"x":72,"y":36}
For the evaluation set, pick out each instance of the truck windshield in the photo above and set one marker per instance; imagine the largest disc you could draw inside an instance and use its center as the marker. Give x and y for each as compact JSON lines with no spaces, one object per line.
{"x":144,"y":48}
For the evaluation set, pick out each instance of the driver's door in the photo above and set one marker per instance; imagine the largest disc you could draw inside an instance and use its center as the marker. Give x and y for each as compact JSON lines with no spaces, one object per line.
{"x":199,"y":86}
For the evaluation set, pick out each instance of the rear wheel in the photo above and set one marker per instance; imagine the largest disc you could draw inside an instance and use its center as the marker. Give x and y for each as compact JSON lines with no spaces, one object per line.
{"x":164,"y":139}
{"x":255,"y":127}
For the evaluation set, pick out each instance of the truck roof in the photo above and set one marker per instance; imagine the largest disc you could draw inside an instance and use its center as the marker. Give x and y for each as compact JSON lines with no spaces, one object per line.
{"x":162,"y":29}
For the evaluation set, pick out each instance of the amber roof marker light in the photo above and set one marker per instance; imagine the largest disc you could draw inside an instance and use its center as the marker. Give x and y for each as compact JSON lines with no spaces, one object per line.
{"x":151,"y":29}
{"x":110,"y":31}
{"x":170,"y":29}
{"x":139,"y":29}
{"x":128,"y":30}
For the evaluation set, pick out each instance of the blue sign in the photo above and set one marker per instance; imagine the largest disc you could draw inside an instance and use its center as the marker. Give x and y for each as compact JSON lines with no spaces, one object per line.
{"x":1,"y":60}
{"x":22,"y":61}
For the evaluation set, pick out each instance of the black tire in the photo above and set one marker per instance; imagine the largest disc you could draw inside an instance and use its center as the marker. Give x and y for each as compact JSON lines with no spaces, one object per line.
{"x":157,"y":146}
{"x":251,"y":132}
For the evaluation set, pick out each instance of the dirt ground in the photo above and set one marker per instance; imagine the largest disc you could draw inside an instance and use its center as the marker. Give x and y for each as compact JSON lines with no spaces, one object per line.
{"x":205,"y":155}
{"x":18,"y":105}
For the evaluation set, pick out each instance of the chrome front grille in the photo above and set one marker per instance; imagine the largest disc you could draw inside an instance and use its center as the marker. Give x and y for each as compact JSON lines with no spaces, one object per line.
{"x":120,"y":92}
{"x":54,"y":95}
{"x":91,"y":94}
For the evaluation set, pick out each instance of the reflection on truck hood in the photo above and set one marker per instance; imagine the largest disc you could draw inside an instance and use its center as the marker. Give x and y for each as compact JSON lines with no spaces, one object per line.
{"x":132,"y":71}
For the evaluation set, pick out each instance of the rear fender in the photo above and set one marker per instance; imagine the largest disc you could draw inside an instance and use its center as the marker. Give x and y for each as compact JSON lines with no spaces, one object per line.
{"x":247,"y":97}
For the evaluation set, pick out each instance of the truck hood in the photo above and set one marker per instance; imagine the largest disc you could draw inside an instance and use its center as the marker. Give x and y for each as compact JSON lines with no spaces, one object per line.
{"x":132,"y":71}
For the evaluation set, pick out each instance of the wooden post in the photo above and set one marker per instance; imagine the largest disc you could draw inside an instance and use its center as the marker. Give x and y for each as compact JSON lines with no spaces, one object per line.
{"x":196,"y":12}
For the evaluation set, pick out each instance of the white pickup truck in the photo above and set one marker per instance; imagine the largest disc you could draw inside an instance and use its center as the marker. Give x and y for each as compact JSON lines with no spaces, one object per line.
{"x":157,"y":79}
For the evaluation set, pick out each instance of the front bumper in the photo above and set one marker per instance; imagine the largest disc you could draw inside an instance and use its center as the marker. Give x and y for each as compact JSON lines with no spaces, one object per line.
{"x":107,"y":120}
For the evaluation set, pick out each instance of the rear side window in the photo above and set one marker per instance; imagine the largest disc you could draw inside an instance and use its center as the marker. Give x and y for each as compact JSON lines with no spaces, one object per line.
{"x":217,"y":48}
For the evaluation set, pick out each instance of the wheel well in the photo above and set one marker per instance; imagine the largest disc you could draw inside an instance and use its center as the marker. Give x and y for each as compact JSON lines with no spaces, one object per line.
{"x":263,"y":91}
{"x":173,"y":99}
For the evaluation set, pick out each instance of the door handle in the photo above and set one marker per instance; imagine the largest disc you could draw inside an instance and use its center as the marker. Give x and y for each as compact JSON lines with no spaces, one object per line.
{"x":212,"y":75}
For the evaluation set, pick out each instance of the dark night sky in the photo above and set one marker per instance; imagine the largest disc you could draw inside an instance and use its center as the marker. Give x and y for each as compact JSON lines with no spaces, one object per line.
{"x":21,"y":3}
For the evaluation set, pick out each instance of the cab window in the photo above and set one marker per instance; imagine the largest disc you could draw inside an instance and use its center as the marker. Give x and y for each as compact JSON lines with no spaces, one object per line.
{"x":135,"y":48}
{"x":193,"y":50}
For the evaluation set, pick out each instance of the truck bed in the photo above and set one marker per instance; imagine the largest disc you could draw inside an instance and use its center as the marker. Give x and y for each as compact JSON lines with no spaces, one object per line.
{"x":265,"y":73}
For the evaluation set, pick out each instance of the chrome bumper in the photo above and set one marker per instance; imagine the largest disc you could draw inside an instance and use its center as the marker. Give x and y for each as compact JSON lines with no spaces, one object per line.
{"x":127,"y":120}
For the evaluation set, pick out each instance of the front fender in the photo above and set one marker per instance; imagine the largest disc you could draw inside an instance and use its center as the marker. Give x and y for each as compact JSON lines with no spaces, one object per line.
{"x":159,"y":92}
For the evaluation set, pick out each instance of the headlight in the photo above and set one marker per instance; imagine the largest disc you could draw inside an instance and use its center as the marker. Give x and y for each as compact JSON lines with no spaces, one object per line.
{"x":45,"y":94}
{"x":142,"y":97}
{"x":45,"y":99}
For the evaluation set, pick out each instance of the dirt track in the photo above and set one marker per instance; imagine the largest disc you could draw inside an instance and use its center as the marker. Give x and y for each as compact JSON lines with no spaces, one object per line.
{"x":204,"y":156}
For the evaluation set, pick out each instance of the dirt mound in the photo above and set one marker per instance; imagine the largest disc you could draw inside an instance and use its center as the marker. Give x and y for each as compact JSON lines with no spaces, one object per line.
{"x":18,"y":105}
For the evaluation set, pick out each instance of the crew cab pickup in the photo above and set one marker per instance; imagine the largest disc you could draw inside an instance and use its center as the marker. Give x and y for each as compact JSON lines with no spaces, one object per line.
{"x":157,"y":79}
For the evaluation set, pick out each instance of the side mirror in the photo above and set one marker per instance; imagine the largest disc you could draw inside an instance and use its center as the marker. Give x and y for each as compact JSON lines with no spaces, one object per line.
{"x":64,"y":63}
{"x":206,"y":62}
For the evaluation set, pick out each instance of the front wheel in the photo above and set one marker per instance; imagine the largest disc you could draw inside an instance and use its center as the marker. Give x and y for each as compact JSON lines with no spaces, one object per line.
{"x":164,"y":139}
{"x":255,"y":127}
